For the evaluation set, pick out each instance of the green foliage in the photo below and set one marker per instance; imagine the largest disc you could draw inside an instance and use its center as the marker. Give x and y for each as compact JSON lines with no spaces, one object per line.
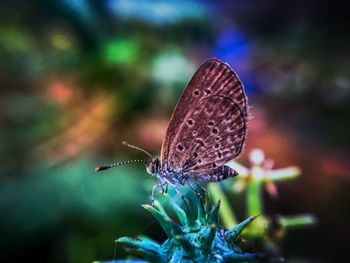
{"x":192,"y":238}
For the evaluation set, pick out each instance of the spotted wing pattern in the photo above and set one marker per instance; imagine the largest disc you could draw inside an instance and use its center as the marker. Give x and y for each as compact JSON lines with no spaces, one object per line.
{"x":208,"y":126}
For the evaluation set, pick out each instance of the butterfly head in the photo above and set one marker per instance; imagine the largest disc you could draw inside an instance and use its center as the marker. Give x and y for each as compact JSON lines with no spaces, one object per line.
{"x":153,"y":167}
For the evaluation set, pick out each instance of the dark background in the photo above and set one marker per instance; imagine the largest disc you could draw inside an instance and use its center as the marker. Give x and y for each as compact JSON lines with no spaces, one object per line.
{"x":78,"y":77}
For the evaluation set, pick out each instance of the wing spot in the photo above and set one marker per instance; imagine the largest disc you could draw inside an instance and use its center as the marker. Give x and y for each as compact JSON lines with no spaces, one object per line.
{"x":199,"y":161}
{"x":190,"y":122}
{"x":196,"y":92}
{"x":211,"y":123}
{"x":215,"y":131}
{"x":207,"y":91}
{"x":219,"y":154}
{"x":180,"y":147}
{"x":218,"y":138}
{"x":214,"y":165}
{"x":200,"y":141}
{"x":216,"y":145}
{"x":194,"y":133}
{"x":195,"y":155}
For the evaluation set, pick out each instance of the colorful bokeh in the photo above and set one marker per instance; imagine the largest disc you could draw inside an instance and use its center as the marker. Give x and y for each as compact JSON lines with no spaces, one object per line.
{"x":79,"y":77}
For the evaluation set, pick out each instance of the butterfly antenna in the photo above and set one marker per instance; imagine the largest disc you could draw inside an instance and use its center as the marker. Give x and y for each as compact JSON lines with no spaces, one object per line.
{"x":136,"y":148}
{"x":105,"y":167}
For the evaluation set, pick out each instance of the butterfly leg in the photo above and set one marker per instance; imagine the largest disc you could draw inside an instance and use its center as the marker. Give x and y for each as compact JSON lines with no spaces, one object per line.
{"x":167,"y":182}
{"x":198,"y":194}
{"x":175,"y":188}
{"x":205,"y":191}
{"x":162,"y":184}
{"x":164,"y":187}
{"x":183,"y":179}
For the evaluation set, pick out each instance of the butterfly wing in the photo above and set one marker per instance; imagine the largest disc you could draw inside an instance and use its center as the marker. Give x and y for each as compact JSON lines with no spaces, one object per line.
{"x":208,"y":126}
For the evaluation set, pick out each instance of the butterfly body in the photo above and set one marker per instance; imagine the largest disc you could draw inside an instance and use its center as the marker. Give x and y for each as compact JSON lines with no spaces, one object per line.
{"x":166,"y":175}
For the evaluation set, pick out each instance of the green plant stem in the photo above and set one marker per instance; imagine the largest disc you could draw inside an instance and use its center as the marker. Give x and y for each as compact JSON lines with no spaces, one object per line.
{"x":283,"y":174}
{"x":254,"y":198}
{"x":297,"y":221}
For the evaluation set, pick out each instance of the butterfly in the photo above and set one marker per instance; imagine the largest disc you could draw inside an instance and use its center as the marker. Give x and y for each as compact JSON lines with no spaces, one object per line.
{"x":208,"y":128}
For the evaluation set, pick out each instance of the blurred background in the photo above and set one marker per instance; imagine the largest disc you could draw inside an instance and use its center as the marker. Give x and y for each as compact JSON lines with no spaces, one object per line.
{"x":77,"y":77}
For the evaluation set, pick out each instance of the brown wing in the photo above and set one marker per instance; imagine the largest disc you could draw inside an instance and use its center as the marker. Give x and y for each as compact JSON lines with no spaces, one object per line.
{"x":213,"y":134}
{"x":208,"y":126}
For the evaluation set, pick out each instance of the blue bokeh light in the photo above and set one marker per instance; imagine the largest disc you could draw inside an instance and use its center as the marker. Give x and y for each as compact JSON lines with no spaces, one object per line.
{"x":234,"y":48}
{"x":158,"y":11}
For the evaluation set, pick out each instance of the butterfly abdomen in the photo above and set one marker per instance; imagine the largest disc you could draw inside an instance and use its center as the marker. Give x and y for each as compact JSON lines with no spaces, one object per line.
{"x":217,"y":174}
